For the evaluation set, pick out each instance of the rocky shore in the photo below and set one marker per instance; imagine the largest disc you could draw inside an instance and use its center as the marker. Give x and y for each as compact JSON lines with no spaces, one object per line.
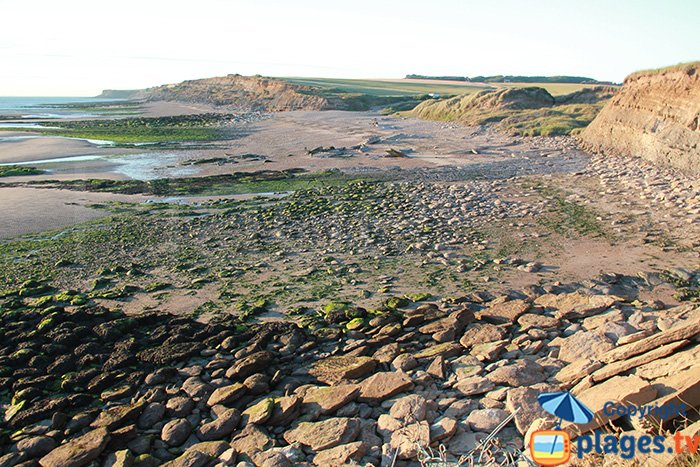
{"x":394,"y":386}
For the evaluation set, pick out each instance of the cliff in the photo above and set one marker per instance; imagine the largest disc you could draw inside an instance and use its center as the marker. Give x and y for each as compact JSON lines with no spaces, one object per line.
{"x":655,"y":116}
{"x":242,"y":93}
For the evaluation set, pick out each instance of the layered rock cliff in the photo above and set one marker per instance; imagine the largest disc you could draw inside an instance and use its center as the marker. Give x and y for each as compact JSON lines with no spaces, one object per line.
{"x":655,"y":116}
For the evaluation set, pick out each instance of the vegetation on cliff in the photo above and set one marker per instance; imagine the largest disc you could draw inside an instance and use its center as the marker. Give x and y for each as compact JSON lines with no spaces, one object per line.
{"x":528,"y":111}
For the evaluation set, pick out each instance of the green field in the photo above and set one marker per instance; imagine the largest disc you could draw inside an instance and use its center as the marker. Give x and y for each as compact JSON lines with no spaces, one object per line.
{"x":407,"y":87}
{"x":555,"y":89}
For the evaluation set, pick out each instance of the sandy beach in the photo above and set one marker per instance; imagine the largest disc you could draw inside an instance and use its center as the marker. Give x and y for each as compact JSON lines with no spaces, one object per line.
{"x":32,"y":210}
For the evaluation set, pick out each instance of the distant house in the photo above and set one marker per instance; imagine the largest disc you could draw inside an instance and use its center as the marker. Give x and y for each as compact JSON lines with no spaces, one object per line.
{"x":434,"y":95}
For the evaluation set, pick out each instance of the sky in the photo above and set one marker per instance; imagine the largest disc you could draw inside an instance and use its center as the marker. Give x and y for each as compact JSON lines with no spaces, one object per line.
{"x":79,"y":47}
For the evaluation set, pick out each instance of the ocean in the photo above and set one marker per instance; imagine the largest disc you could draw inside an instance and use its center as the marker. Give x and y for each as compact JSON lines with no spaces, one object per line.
{"x":46,"y":107}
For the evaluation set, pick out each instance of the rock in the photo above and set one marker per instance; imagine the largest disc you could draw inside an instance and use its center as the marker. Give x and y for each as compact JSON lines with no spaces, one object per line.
{"x":341,"y":455}
{"x":531,"y":320}
{"x":285,"y":410}
{"x":325,"y":434}
{"x":227,"y":394}
{"x":474,"y":385}
{"x":442,"y":429}
{"x":152,"y":414}
{"x":387,"y":353}
{"x":447,"y":350}
{"x":119,"y":415}
{"x":680,"y":332}
{"x":179,"y":407}
{"x":225,"y":423}
{"x":169,"y":353}
{"x":488,"y":351}
{"x":386,"y":425}
{"x":588,"y":344}
{"x":210,"y":448}
{"x":148,"y":460}
{"x":175,"y":432}
{"x":681,"y":389}
{"x":329,"y":399}
{"x":524,"y":401}
{"x":250,"y":440}
{"x":79,"y":451}
{"x":13,"y":458}
{"x":523,"y":372}
{"x":122,"y":458}
{"x":383,"y":385}
{"x":462,"y":444}
{"x":504,"y":313}
{"x":436,"y":369}
{"x":652,"y":116}
{"x":410,"y":439}
{"x":271,"y":459}
{"x":622,"y":366}
{"x":189,"y":459}
{"x":628,"y":390}
{"x":409,"y":409}
{"x":332,"y":370}
{"x":141,"y":445}
{"x":258,"y":413}
{"x":196,"y":388}
{"x":577,"y":370}
{"x":161,"y":375}
{"x":482,"y":333}
{"x":486,"y":420}
{"x":36,"y":446}
{"x":121,"y":437}
{"x":253,"y":363}
{"x":257,"y":384}
{"x":444,"y":330}
{"x":404,"y":362}
{"x":576,"y":304}
{"x":671,"y":365}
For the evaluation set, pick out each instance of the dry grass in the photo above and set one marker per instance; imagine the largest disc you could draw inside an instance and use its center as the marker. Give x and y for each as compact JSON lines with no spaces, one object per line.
{"x":684,"y":67}
{"x":493,"y":109}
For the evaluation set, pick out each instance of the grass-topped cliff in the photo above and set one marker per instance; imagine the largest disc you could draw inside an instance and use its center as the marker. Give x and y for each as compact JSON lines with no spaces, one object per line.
{"x":258,"y":93}
{"x":655,"y":116}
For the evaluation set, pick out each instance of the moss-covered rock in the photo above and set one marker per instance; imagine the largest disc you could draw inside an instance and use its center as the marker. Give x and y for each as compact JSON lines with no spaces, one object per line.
{"x":334,"y":369}
{"x":355,"y":323}
{"x":393,"y":303}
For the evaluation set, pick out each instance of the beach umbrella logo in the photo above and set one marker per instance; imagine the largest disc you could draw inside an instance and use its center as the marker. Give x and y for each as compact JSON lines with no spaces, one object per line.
{"x":565,"y":406}
{"x":553,"y":447}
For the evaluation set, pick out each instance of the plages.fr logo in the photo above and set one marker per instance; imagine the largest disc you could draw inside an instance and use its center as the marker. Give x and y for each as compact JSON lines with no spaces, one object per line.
{"x":553,"y":447}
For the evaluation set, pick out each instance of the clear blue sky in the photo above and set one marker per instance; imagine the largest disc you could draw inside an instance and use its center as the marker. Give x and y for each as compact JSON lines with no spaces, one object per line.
{"x":79,"y":47}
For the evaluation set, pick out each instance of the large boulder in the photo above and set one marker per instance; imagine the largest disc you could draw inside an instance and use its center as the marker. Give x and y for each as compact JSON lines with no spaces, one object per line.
{"x":79,"y":451}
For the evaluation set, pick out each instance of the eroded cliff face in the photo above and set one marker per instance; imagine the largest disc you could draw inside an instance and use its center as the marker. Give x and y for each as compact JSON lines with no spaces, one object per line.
{"x":655,"y":116}
{"x":244,"y":93}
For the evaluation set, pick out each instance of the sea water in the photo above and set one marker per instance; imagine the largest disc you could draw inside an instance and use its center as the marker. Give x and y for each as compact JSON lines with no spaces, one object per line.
{"x":46,"y":107}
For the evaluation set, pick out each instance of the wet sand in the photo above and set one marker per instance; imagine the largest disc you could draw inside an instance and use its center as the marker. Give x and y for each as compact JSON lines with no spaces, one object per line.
{"x":32,"y":210}
{"x":28,"y":147}
{"x":281,"y":141}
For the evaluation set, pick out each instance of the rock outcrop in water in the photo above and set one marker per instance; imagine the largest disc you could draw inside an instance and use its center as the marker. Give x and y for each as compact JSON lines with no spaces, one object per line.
{"x":655,"y":117}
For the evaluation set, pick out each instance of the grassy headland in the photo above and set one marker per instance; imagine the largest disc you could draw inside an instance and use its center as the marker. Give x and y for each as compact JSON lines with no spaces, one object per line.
{"x":528,"y":111}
